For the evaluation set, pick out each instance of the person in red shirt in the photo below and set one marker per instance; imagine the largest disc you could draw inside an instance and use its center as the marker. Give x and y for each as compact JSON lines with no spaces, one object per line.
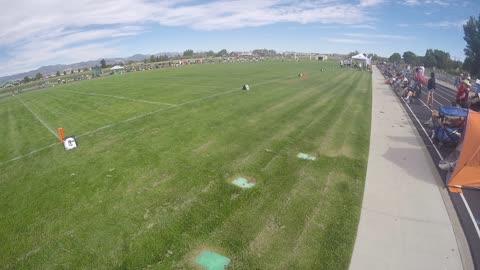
{"x":462,"y":94}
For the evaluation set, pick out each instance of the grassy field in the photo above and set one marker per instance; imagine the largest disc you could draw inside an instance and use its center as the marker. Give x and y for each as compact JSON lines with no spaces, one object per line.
{"x":149,"y":186}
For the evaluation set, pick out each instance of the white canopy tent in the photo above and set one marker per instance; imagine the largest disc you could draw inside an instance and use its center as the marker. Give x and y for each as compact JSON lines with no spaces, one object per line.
{"x":117,"y":68}
{"x":362,"y":57}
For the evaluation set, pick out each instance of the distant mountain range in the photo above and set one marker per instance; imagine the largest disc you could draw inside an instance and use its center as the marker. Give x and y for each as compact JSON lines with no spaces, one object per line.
{"x":88,"y":64}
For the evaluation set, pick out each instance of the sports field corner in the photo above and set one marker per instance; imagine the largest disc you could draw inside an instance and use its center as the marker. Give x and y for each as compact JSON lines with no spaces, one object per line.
{"x":150,"y":184}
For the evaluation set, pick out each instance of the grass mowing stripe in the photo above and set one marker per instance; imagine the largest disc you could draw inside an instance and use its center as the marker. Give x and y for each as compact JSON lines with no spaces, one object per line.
{"x":119,"y":97}
{"x":171,"y":107}
{"x":153,"y":192}
{"x":127,"y":120}
{"x":38,"y":118}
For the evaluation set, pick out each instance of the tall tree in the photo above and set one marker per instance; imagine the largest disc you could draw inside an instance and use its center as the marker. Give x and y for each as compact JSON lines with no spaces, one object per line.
{"x":152,"y":58}
{"x":410,"y":58}
{"x":222,"y":52}
{"x":38,"y":76}
{"x":352,"y":54}
{"x":26,"y":79}
{"x":472,"y":51}
{"x":103,"y":63}
{"x":429,"y":60}
{"x":188,"y":53}
{"x":58,"y":73}
{"x":210,"y":53}
{"x":442,"y":59}
{"x":395,"y":58}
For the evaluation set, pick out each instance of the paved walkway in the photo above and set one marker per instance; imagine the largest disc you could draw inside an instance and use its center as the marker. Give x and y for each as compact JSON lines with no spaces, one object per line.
{"x":404,"y":222}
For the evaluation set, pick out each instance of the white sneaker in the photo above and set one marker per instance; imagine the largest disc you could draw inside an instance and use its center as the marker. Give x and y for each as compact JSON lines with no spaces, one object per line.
{"x":446,"y":166}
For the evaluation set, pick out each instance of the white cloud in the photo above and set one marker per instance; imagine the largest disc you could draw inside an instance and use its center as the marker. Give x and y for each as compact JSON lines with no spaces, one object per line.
{"x":376,"y":36}
{"x":425,"y":2}
{"x":363,"y":26}
{"x":367,"y":3}
{"x":445,"y":24}
{"x":349,"y":41}
{"x":403,"y":25}
{"x":410,"y":2}
{"x":34,"y":33}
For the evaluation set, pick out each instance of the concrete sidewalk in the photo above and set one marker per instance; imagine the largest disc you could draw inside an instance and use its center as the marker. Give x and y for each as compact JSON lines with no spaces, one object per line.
{"x":404,"y":222}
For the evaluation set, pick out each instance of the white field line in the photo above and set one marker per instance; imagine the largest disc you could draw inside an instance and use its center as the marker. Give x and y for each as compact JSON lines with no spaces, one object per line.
{"x":192,"y":85}
{"x":171,"y":107}
{"x":29,"y":153}
{"x":139,"y":116}
{"x":38,"y":118}
{"x":470,"y":214}
{"x":120,"y":97}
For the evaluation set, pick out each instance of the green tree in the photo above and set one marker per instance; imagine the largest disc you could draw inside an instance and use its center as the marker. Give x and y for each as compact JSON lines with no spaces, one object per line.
{"x":395,"y":58}
{"x":38,"y":76}
{"x":58,"y":73}
{"x":222,"y":52}
{"x":352,"y":54}
{"x":409,"y":58}
{"x":429,"y":59}
{"x":442,"y":59}
{"x":152,"y":58}
{"x":188,"y":53}
{"x":64,"y":72}
{"x":79,"y":70}
{"x":26,"y":79}
{"x":103,"y":63}
{"x":472,"y":51}
{"x":71,"y":71}
{"x":210,"y":53}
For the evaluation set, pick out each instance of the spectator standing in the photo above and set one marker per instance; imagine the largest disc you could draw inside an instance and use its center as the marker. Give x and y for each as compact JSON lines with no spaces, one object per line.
{"x":461,"y":98}
{"x":431,"y":86}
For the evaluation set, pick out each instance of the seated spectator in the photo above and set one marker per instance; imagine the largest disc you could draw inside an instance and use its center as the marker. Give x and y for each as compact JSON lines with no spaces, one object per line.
{"x":475,"y":103}
{"x":410,"y":93}
{"x":461,"y":98}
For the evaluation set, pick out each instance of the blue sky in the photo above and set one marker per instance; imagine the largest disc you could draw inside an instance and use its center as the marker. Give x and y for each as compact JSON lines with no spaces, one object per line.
{"x":36,"y":33}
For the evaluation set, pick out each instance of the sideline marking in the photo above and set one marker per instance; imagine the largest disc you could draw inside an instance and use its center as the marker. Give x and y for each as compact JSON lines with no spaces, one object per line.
{"x":135,"y":117}
{"x":471,"y":215}
{"x":29,"y":153}
{"x":38,"y":118}
{"x":119,"y":97}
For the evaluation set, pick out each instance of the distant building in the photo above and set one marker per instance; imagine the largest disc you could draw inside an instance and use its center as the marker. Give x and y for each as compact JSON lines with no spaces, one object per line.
{"x":322,"y":57}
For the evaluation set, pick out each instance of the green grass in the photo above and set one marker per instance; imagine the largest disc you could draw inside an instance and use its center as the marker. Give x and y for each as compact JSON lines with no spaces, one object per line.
{"x":152,"y":192}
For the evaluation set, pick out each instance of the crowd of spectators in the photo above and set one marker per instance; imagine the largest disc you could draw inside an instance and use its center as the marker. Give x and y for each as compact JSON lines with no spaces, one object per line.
{"x":409,"y":85}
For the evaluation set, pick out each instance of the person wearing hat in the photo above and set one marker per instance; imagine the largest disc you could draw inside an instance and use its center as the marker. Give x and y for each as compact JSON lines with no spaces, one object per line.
{"x":461,"y":97}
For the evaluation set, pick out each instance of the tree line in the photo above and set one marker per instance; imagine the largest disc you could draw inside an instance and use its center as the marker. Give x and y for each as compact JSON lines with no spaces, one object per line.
{"x":432,"y":58}
{"x":441,"y":59}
